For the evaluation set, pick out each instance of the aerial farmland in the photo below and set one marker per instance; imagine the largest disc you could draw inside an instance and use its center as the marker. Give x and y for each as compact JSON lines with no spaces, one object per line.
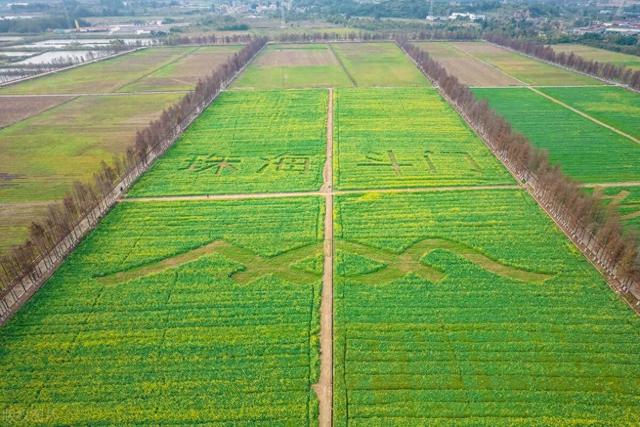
{"x":331,"y":238}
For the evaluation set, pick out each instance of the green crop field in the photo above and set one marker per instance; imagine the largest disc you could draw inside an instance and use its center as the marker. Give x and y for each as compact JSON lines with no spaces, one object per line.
{"x":528,"y":70}
{"x":247,"y":142}
{"x":174,"y":313}
{"x":614,"y":106}
{"x":394,"y":138}
{"x":378,"y":64}
{"x":470,"y":308}
{"x":601,"y":55}
{"x":294,"y":66}
{"x":585,"y":150}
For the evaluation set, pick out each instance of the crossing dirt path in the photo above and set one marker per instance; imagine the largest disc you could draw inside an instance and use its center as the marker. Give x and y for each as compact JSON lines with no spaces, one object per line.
{"x":322,"y":193}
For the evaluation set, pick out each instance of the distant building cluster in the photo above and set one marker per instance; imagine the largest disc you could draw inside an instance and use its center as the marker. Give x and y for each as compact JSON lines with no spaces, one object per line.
{"x":619,"y":27}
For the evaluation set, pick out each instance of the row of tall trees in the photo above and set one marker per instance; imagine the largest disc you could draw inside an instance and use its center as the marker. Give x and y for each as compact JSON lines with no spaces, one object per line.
{"x":80,"y":210}
{"x":206,"y":39}
{"x":604,"y":70}
{"x":371,"y":36}
{"x":437,"y":34}
{"x":596,"y":227}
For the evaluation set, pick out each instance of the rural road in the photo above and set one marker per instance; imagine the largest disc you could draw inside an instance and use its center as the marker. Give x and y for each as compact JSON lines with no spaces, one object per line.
{"x":324,"y":388}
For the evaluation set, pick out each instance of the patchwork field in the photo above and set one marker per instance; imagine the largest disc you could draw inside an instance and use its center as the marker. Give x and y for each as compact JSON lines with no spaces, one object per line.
{"x":294,"y":66}
{"x":174,"y":313}
{"x":614,"y":106}
{"x":289,"y":66}
{"x":395,"y":138}
{"x":523,"y":68}
{"x":457,"y":302}
{"x":585,"y":150}
{"x":246,"y":142}
{"x":16,"y":108}
{"x":468,"y":69}
{"x":139,"y":69}
{"x":488,"y":316}
{"x":601,"y":55}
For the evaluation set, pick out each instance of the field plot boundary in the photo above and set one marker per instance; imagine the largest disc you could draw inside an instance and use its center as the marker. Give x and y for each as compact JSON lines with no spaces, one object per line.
{"x":334,"y":192}
{"x":12,"y":298}
{"x":344,"y":68}
{"x":608,"y":82}
{"x":490,"y":65}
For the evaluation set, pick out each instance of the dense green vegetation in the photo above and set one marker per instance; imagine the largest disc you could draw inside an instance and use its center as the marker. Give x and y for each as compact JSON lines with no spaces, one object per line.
{"x":584,"y":150}
{"x":148,"y":322}
{"x":615,"y":106}
{"x":246,"y":142}
{"x":476,"y":345}
{"x":393,"y":138}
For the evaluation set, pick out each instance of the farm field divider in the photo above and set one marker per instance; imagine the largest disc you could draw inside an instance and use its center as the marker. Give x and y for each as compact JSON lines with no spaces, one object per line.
{"x":583,"y":237}
{"x":630,"y":79}
{"x":20,"y":289}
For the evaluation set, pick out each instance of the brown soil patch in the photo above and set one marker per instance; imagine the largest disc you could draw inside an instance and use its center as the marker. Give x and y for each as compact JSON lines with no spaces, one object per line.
{"x":16,"y":108}
{"x":475,"y":73}
{"x":296,"y":58}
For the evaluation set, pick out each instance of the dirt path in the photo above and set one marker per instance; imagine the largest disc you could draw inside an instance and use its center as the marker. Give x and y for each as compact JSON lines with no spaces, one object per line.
{"x":324,"y":387}
{"x":323,"y":192}
{"x":612,"y":184}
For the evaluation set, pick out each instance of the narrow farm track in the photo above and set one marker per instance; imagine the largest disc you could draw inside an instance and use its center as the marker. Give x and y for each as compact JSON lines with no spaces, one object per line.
{"x":324,"y":387}
{"x":585,"y":115}
{"x":612,"y":184}
{"x":337,"y":193}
